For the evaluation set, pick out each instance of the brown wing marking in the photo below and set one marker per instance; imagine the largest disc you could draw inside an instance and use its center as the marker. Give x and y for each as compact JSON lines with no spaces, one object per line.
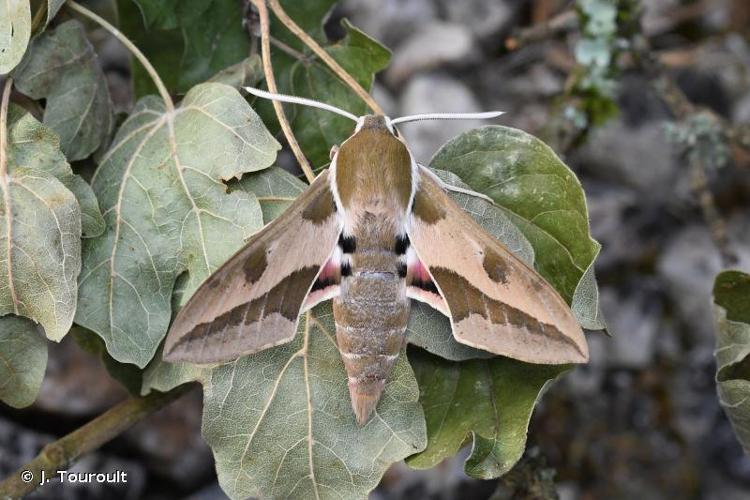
{"x":253,"y":301}
{"x":494,"y":300}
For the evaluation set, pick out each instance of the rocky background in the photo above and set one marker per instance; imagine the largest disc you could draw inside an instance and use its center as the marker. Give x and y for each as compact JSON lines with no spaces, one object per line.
{"x":642,"y":419}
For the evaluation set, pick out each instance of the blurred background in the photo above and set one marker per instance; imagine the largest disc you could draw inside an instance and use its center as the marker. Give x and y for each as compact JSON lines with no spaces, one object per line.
{"x":652,"y":113}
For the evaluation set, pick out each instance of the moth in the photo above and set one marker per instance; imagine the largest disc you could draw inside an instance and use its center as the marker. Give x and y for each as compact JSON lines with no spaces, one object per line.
{"x":373,"y":232}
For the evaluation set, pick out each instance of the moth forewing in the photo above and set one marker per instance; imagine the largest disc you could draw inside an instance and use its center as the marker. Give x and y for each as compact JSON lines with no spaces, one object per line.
{"x":494,"y":300}
{"x":253,"y":301}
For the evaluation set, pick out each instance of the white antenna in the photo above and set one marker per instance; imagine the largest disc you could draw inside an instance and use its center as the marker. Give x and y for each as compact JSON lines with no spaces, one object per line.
{"x":300,"y":100}
{"x":447,"y":116}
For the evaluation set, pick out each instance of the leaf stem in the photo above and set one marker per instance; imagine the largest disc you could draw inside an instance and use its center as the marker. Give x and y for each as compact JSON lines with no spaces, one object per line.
{"x":66,"y":450}
{"x":271,"y":82}
{"x":4,"y":127}
{"x":5,"y":189}
{"x":330,"y":61}
{"x":132,"y":48}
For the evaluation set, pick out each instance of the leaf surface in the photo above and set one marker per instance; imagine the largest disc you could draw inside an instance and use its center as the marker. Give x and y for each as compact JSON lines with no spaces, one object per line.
{"x":274,"y":188}
{"x":280,"y":422}
{"x":62,"y":67}
{"x":490,"y":400}
{"x":23,"y":359}
{"x":187,"y":41}
{"x":168,"y":211}
{"x":40,"y":227}
{"x":732,"y":318}
{"x":15,"y":32}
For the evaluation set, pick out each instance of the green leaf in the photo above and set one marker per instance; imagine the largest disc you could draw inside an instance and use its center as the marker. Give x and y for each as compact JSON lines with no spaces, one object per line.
{"x":489,"y":401}
{"x":542,"y":197}
{"x":23,"y":359}
{"x":186,"y":41}
{"x":732,"y":317}
{"x":318,"y":130}
{"x":40,"y":228}
{"x":309,"y":15}
{"x":37,"y":147}
{"x":274,"y":188}
{"x":280,"y":421}
{"x":15,"y":32}
{"x":167,"y":212}
{"x":62,"y":67}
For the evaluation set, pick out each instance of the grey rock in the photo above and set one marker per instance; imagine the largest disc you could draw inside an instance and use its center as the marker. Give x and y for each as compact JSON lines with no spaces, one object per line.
{"x":688,"y":266}
{"x":435,"y":93}
{"x":634,"y":322}
{"x":430,"y":46}
{"x":639,"y":157}
{"x":389,"y":21}
{"x":612,"y":225}
{"x":76,"y":382}
{"x":172,"y":444}
{"x":19,"y":445}
{"x":482,"y":17}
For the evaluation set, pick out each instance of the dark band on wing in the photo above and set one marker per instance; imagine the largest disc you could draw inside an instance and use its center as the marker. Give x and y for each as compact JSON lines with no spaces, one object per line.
{"x":464,"y":299}
{"x":285,"y":298}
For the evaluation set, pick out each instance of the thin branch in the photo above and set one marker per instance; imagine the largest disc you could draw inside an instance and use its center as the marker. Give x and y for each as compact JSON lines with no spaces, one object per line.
{"x":168,"y":103}
{"x":558,"y":25}
{"x":324,"y":56}
{"x":271,"y":82}
{"x":59,"y":454}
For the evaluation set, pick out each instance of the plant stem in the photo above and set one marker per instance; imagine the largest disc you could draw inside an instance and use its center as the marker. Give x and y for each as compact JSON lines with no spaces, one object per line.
{"x":324,"y":56}
{"x":163,"y":92}
{"x":265,"y":43}
{"x":4,"y":99}
{"x":61,"y":453}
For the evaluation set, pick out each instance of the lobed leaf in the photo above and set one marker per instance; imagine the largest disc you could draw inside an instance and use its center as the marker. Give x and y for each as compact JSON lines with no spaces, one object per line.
{"x":274,"y":188}
{"x":732,"y":317}
{"x":37,"y":147}
{"x":62,"y":67}
{"x":23,"y":359}
{"x":490,"y":400}
{"x":40,"y":226}
{"x":15,"y":32}
{"x":280,"y":421}
{"x":168,"y":211}
{"x":186,"y":41}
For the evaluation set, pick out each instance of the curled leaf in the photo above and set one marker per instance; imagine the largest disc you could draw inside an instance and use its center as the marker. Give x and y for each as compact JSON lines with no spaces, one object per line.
{"x":732,"y":317}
